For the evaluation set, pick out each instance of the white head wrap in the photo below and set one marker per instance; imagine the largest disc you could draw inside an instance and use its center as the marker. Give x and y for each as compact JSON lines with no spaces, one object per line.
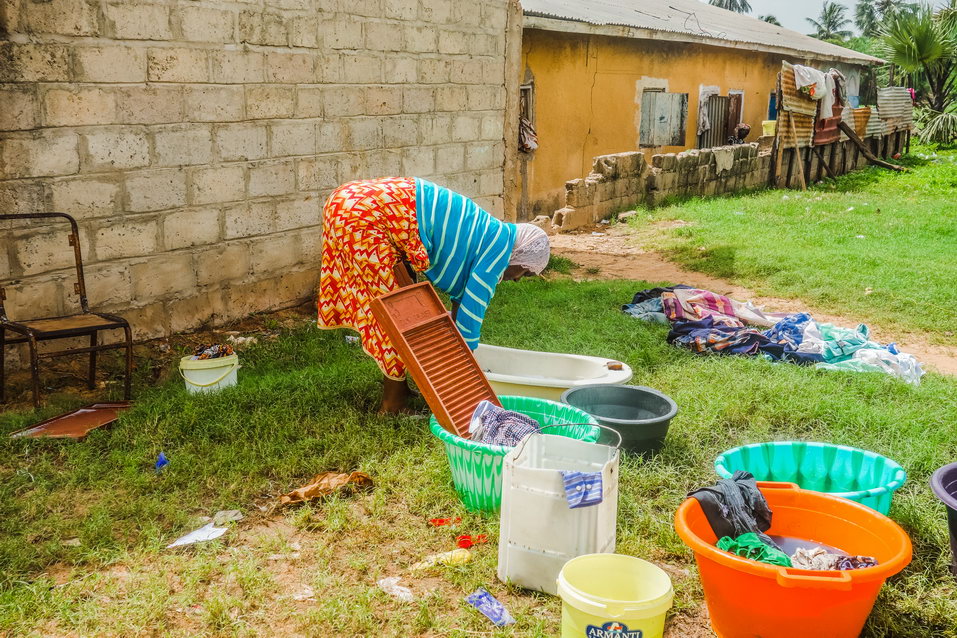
{"x":531,"y":248}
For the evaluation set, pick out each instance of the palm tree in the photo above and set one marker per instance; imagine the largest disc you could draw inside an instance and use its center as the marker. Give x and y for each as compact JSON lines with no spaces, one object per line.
{"x":924,"y":44}
{"x":830,"y":24}
{"x":770,"y":19}
{"x":738,"y":6}
{"x":867,"y":17}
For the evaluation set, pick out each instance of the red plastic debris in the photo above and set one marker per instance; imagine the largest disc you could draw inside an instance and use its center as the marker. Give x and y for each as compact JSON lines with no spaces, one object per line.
{"x":466,"y":541}
{"x":440,"y":522}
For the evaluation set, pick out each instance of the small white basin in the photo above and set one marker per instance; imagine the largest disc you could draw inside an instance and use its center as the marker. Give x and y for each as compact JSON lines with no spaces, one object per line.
{"x":545,"y":375}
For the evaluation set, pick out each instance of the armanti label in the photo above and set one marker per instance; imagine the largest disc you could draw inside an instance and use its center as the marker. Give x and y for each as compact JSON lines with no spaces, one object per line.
{"x":612,"y":630}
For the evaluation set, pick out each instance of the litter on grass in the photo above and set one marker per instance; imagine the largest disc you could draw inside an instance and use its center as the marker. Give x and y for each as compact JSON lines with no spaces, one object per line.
{"x":392,"y":587}
{"x":213,"y":351}
{"x":455,"y":557}
{"x":490,"y":607}
{"x":307,"y":593}
{"x":465,"y":541}
{"x":161,"y":462}
{"x":324,"y":484}
{"x":441,"y":522}
{"x":205,"y":533}
{"x":227,"y":516}
{"x":74,"y":424}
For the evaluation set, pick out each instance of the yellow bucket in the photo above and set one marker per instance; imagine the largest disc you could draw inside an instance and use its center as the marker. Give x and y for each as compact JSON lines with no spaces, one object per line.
{"x":769,"y":127}
{"x":613,"y":596}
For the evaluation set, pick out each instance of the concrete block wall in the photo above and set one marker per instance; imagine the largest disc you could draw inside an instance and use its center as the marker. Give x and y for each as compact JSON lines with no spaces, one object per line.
{"x":196,"y":140}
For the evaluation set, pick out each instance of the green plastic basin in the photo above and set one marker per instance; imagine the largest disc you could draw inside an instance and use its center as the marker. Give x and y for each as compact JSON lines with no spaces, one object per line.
{"x":477,"y":467}
{"x":852,"y":473}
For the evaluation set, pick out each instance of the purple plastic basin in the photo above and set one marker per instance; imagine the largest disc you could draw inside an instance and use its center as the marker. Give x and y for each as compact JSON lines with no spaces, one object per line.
{"x":944,"y":484}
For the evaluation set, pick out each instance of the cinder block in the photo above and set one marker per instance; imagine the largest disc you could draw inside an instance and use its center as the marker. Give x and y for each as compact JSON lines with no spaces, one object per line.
{"x":33,"y":299}
{"x":398,"y":132}
{"x":273,"y":254}
{"x":454,"y":42}
{"x":43,"y":252}
{"x":382,"y":36}
{"x":138,"y":21}
{"x":297,"y":213}
{"x":436,"y":11}
{"x":308,"y":101}
{"x":451,"y":98}
{"x":201,"y":309}
{"x":330,"y":137}
{"x":237,"y":67}
{"x":293,"y":138}
{"x":483,"y":155}
{"x":362,"y":134}
{"x":272,"y":179}
{"x":383,"y":100}
{"x":214,"y":103}
{"x":269,"y":101}
{"x":211,"y":185}
{"x":222,"y":263}
{"x":665,"y":162}
{"x":341,"y":33}
{"x":114,"y":150}
{"x":241,"y":142}
{"x":63,"y":17}
{"x":177,"y":65}
{"x":401,"y":9}
{"x":290,"y":68}
{"x":486,"y":98}
{"x":110,"y":64}
{"x":39,"y":154}
{"x":317,"y":173}
{"x":149,"y":104}
{"x":450,"y":159}
{"x":465,"y":128}
{"x":155,"y":190}
{"x":85,"y":197}
{"x":248,"y":220}
{"x":19,"y":109}
{"x":401,"y":70}
{"x":183,"y":145}
{"x":418,"y":161}
{"x":434,"y":70}
{"x":64,"y":107}
{"x":418,"y":99}
{"x":361,"y":68}
{"x":108,"y":285}
{"x":162,"y":275}
{"x":343,"y":101}
{"x":22,"y":196}
{"x":201,"y":24}
{"x":34,"y":62}
{"x":256,"y":27}
{"x":184,"y":229}
{"x":116,"y":240}
{"x":570,"y":218}
{"x":304,"y":31}
{"x":311,"y":245}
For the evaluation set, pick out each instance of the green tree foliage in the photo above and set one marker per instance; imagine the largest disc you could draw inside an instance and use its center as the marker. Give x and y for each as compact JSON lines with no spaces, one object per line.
{"x":770,"y":19}
{"x":738,"y":6}
{"x":832,"y":22}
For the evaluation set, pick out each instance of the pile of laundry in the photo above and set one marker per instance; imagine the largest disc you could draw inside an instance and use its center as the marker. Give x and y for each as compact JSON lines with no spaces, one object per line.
{"x":709,"y":323}
{"x":494,"y":425}
{"x":739,"y":516}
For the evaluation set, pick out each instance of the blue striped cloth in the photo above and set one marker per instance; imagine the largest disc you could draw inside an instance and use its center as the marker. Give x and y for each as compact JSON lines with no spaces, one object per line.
{"x":582,"y":489}
{"x":468,"y":252}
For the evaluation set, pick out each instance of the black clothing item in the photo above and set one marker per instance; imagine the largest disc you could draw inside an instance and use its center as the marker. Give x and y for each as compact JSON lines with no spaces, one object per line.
{"x":735,"y":506}
{"x":654,"y":293}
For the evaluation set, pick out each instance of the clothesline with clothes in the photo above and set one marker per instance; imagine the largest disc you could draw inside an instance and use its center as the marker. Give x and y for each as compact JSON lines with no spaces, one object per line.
{"x":708,"y":323}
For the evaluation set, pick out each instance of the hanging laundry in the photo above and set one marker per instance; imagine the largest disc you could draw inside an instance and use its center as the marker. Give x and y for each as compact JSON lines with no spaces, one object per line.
{"x":810,"y":81}
{"x":750,"y":546}
{"x":736,"y":506}
{"x":723,"y":159}
{"x":820,"y":560}
{"x":582,"y":489}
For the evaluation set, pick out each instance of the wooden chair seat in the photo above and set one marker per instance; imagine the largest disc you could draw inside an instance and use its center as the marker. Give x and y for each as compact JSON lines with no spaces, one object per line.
{"x":72,"y":325}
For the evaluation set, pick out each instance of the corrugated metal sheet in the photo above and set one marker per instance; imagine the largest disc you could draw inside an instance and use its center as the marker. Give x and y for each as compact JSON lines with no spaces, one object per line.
{"x":693,"y":21}
{"x":792,"y":99}
{"x":717,"y":135}
{"x":875,"y":125}
{"x":862,"y":117}
{"x":663,"y":119}
{"x":895,"y":104}
{"x":826,"y":131}
{"x":803,"y":126}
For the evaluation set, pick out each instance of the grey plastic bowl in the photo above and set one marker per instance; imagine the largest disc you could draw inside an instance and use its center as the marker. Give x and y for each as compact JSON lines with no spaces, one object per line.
{"x":639,"y":414}
{"x":944,"y":484}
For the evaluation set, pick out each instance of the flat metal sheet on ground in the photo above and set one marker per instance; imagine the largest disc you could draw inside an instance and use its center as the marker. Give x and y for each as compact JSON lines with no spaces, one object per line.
{"x":74,"y":424}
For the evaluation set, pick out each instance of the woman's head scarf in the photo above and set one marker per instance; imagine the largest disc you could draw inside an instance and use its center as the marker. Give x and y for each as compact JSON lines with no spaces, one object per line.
{"x":531,"y":248}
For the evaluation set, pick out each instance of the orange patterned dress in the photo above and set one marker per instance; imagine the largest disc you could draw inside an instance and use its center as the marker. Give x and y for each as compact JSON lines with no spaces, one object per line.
{"x":368,"y":228}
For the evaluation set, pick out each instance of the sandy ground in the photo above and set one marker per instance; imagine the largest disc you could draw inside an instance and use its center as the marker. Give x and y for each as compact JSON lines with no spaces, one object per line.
{"x":616,"y":255}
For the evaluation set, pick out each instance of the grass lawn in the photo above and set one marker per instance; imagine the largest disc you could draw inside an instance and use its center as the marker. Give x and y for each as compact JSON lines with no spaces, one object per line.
{"x":878,"y":244}
{"x":306,"y":404}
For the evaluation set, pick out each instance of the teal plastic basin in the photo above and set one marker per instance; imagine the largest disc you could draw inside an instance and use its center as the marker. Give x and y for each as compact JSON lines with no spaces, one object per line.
{"x":852,"y":473}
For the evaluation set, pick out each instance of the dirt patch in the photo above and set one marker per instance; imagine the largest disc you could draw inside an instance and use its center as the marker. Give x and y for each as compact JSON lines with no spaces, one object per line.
{"x":612,"y":253}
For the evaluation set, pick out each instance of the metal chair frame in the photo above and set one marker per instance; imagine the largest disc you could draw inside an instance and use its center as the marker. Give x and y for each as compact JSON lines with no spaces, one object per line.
{"x":60,"y":327}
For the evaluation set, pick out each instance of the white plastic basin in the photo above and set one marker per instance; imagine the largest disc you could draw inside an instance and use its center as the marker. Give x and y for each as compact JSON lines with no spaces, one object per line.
{"x":545,"y":375}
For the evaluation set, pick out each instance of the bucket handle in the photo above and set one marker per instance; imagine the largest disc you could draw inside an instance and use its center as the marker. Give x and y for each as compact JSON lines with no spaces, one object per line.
{"x":521,"y":444}
{"x":229,"y":371}
{"x":799,"y":578}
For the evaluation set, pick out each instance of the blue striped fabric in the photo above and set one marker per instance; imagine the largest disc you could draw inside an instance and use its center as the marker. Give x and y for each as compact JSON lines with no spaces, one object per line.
{"x":468,"y":249}
{"x":582,"y":489}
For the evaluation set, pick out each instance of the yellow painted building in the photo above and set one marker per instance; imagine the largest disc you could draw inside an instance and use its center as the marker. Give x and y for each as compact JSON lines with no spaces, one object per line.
{"x":584,"y":86}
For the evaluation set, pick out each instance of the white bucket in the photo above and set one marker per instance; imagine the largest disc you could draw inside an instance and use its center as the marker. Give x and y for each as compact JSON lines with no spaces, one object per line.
{"x":209,"y":375}
{"x":539,"y":532}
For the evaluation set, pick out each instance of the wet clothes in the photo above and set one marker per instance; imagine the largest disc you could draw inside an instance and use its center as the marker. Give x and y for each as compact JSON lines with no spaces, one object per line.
{"x":582,"y":489}
{"x":750,"y":546}
{"x":820,"y":560}
{"x":736,"y":506}
{"x":504,"y":427}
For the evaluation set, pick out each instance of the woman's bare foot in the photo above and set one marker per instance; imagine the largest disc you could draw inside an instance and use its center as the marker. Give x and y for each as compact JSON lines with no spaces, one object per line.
{"x":395,"y":397}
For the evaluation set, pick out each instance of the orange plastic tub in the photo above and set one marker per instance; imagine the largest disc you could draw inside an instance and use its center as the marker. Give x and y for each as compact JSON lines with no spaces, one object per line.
{"x":747,"y":598}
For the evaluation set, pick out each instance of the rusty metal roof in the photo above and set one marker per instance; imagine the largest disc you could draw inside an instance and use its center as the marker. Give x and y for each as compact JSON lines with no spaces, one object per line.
{"x":683,"y":21}
{"x":791,"y":98}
